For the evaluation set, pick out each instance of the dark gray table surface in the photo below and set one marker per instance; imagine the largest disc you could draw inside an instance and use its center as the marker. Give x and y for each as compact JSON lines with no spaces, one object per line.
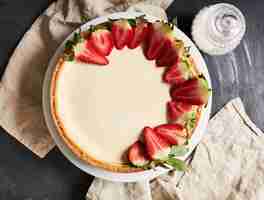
{"x":23,"y":176}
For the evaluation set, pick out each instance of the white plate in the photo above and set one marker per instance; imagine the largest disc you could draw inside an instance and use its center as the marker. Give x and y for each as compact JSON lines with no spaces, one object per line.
{"x":101,"y":173}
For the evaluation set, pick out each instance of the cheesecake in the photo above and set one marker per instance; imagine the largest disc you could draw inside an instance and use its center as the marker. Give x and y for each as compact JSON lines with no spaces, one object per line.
{"x":103,"y":97}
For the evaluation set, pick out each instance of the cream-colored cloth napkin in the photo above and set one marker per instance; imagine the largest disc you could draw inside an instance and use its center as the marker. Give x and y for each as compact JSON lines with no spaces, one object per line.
{"x":227,"y":165}
{"x":21,"y":84}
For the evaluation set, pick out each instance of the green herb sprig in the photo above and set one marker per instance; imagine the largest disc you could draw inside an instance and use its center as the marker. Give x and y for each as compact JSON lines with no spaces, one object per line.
{"x":85,"y":18}
{"x":69,"y":45}
{"x":171,"y":160}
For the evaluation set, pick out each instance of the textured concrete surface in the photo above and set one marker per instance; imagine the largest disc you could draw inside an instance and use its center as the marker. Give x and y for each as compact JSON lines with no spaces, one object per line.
{"x":23,"y":176}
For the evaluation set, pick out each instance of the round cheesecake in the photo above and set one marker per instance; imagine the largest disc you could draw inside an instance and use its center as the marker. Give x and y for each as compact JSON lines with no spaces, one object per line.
{"x":100,"y":110}
{"x":126,"y":94}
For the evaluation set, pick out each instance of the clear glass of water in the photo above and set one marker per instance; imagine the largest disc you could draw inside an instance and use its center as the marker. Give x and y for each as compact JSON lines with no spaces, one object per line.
{"x":219,"y":28}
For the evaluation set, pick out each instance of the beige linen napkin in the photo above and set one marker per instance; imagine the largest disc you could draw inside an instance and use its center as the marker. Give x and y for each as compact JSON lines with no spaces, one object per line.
{"x":227,"y":165}
{"x":21,"y":84}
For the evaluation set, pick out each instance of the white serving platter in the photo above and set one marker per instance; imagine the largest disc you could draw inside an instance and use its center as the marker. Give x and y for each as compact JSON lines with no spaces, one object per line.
{"x":101,"y":173}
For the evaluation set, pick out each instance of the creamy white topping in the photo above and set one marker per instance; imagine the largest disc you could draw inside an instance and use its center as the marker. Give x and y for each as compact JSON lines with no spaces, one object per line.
{"x":104,"y":108}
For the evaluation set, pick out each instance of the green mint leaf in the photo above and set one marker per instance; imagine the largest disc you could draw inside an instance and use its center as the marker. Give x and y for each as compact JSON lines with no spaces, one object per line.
{"x":69,"y":44}
{"x":77,"y":38}
{"x":69,"y":57}
{"x":93,"y":28}
{"x":185,"y":61}
{"x":84,"y":18}
{"x":177,"y":164}
{"x":178,"y":150}
{"x":131,"y":165}
{"x":190,"y":125}
{"x":146,"y":167}
{"x":105,"y":25}
{"x":203,"y":81}
{"x":191,"y":121}
{"x":132,"y":22}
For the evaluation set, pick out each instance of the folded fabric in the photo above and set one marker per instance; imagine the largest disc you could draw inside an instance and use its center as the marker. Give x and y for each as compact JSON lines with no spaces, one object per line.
{"x":227,"y":165}
{"x":21,"y":85}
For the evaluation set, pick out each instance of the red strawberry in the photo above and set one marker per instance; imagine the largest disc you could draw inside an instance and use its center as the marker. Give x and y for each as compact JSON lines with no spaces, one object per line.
{"x":183,"y":114}
{"x":101,"y":40}
{"x":175,"y":134}
{"x":184,"y":107}
{"x":122,"y":33}
{"x":171,"y":53}
{"x":137,"y":154}
{"x":193,"y":91}
{"x":84,"y":52}
{"x":175,"y":110}
{"x":140,"y":33}
{"x":177,"y":73}
{"x":159,"y":33}
{"x":157,"y":148}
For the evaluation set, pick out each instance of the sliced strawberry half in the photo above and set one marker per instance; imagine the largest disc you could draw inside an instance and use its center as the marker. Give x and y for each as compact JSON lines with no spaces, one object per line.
{"x":137,"y":154}
{"x":159,"y":34}
{"x":157,"y":147}
{"x":193,"y":91}
{"x":171,"y":53}
{"x":84,"y":52}
{"x":183,"y":114}
{"x":140,"y":32}
{"x":101,"y":40}
{"x":175,"y":134}
{"x":122,"y":33}
{"x":175,"y":110}
{"x":177,"y":73}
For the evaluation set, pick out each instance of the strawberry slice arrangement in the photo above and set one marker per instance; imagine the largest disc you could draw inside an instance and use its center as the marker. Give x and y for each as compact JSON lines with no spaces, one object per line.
{"x":158,"y":149}
{"x":101,"y":40}
{"x":140,"y":32}
{"x":164,"y":144}
{"x":122,"y":33}
{"x":170,"y":53}
{"x":177,"y":73}
{"x":89,"y":49}
{"x":175,"y":134}
{"x":137,"y":155}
